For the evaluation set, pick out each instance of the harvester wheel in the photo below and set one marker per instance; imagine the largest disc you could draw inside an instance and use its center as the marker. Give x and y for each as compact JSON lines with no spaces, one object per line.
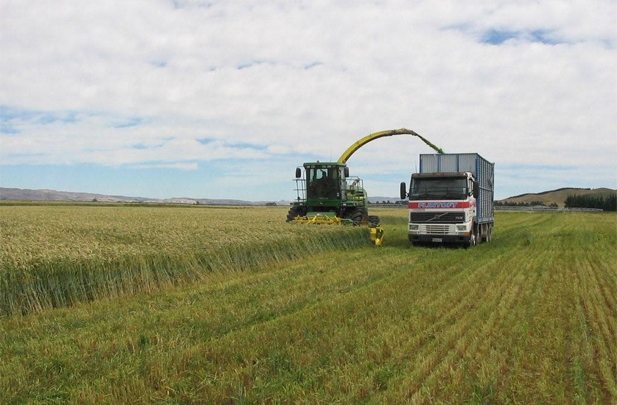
{"x":295,"y":212}
{"x":356,"y":215}
{"x":373,"y":220}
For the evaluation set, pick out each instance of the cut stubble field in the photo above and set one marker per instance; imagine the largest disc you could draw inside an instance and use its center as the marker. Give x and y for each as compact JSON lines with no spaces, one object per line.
{"x":254,"y":310}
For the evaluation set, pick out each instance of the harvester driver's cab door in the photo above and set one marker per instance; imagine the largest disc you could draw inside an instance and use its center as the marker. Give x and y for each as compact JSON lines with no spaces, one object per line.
{"x":323,"y":183}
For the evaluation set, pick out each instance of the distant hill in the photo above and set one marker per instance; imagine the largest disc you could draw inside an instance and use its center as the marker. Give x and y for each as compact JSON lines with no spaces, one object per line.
{"x":18,"y":194}
{"x":379,"y":200}
{"x":557,"y":196}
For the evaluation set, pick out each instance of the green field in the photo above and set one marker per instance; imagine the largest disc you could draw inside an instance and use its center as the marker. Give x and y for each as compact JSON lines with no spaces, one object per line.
{"x":213,"y":305}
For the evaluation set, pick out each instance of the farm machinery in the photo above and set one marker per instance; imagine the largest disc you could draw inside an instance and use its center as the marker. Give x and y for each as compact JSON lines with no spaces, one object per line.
{"x":327,"y":194}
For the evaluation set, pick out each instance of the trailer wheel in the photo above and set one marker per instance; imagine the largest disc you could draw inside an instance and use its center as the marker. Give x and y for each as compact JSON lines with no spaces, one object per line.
{"x":483,"y":233}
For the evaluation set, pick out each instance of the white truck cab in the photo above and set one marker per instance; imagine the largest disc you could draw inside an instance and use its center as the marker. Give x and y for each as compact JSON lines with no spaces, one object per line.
{"x":450,"y":206}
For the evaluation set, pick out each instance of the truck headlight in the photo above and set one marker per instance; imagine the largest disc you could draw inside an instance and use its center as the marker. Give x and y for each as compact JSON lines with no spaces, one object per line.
{"x":414,"y":227}
{"x":461,"y":227}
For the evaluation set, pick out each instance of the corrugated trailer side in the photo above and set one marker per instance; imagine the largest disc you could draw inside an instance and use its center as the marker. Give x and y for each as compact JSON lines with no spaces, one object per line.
{"x":482,"y":170}
{"x":485,"y":176}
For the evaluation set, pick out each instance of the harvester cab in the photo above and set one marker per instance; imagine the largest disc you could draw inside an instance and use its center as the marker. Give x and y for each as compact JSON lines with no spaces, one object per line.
{"x":325,"y":190}
{"x":327,"y":194}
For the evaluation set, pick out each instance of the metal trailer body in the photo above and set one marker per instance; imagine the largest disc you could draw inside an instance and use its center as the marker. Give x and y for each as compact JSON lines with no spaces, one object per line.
{"x":482,"y":170}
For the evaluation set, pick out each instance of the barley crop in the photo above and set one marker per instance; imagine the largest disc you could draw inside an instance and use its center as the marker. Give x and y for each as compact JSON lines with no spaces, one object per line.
{"x":54,"y":256}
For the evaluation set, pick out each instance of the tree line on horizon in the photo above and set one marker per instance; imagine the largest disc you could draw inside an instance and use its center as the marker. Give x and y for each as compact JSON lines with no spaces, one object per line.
{"x":604,"y":202}
{"x":524,"y":204}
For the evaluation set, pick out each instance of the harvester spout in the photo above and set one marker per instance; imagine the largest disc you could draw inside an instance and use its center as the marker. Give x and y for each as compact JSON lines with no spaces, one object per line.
{"x":402,"y":131}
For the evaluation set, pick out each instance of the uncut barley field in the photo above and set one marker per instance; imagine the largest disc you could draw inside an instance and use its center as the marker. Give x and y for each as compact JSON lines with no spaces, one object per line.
{"x":215,"y":305}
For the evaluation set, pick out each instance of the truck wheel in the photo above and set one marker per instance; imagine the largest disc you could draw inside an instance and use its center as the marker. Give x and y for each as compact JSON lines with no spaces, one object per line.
{"x":473,"y":239}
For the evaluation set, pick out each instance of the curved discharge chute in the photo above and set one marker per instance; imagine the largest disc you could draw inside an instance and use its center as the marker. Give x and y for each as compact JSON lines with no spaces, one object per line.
{"x":402,"y":131}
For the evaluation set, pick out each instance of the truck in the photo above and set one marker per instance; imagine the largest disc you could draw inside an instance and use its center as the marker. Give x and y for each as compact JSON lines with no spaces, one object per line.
{"x":451,"y":199}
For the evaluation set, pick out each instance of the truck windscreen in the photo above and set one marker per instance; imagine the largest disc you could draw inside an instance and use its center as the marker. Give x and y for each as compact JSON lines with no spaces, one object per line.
{"x":453,"y":188}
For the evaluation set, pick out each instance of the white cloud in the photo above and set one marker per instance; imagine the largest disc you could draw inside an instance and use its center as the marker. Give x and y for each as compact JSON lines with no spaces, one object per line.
{"x":315,"y":77}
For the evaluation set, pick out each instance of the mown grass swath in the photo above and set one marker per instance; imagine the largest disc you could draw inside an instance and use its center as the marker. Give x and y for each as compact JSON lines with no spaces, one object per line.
{"x":57,"y":256}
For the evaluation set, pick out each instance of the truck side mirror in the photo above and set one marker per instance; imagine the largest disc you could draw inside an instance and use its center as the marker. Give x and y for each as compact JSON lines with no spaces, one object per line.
{"x":403,"y":191}
{"x":298,"y":172}
{"x":346,"y":171}
{"x":476,"y":189}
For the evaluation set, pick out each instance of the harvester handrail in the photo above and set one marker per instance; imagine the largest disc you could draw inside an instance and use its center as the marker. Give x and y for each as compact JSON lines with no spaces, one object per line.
{"x":402,"y":131}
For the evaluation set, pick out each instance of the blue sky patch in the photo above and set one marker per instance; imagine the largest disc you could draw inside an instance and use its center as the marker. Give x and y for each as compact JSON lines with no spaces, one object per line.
{"x":497,"y":37}
{"x":544,"y":36}
{"x":13,"y":113}
{"x":8,"y":129}
{"x":205,"y":141}
{"x":312,"y":65}
{"x":242,"y":145}
{"x":247,"y":65}
{"x":256,"y":62}
{"x":133,"y":122}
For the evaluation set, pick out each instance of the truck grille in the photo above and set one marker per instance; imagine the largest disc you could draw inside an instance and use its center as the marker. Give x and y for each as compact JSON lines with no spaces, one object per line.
{"x":443,"y":217}
{"x":437,"y":229}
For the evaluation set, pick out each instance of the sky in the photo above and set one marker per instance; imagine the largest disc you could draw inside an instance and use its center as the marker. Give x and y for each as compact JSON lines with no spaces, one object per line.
{"x":223,"y":99}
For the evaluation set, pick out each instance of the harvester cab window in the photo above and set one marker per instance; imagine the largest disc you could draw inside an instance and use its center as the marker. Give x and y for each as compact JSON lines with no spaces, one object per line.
{"x":323,"y":183}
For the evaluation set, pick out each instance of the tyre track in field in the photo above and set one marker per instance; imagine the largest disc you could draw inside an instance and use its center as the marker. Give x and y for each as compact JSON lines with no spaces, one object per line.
{"x":499,"y":319}
{"x":466,"y":342}
{"x":446,"y":282}
{"x":449,"y":324}
{"x":338,"y":292}
{"x":466,"y":321}
{"x":607,"y":299}
{"x":378,"y":292}
{"x":472,"y":345}
{"x":344,"y":296}
{"x":476,"y":278}
{"x":595,"y":317}
{"x":343,"y":300}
